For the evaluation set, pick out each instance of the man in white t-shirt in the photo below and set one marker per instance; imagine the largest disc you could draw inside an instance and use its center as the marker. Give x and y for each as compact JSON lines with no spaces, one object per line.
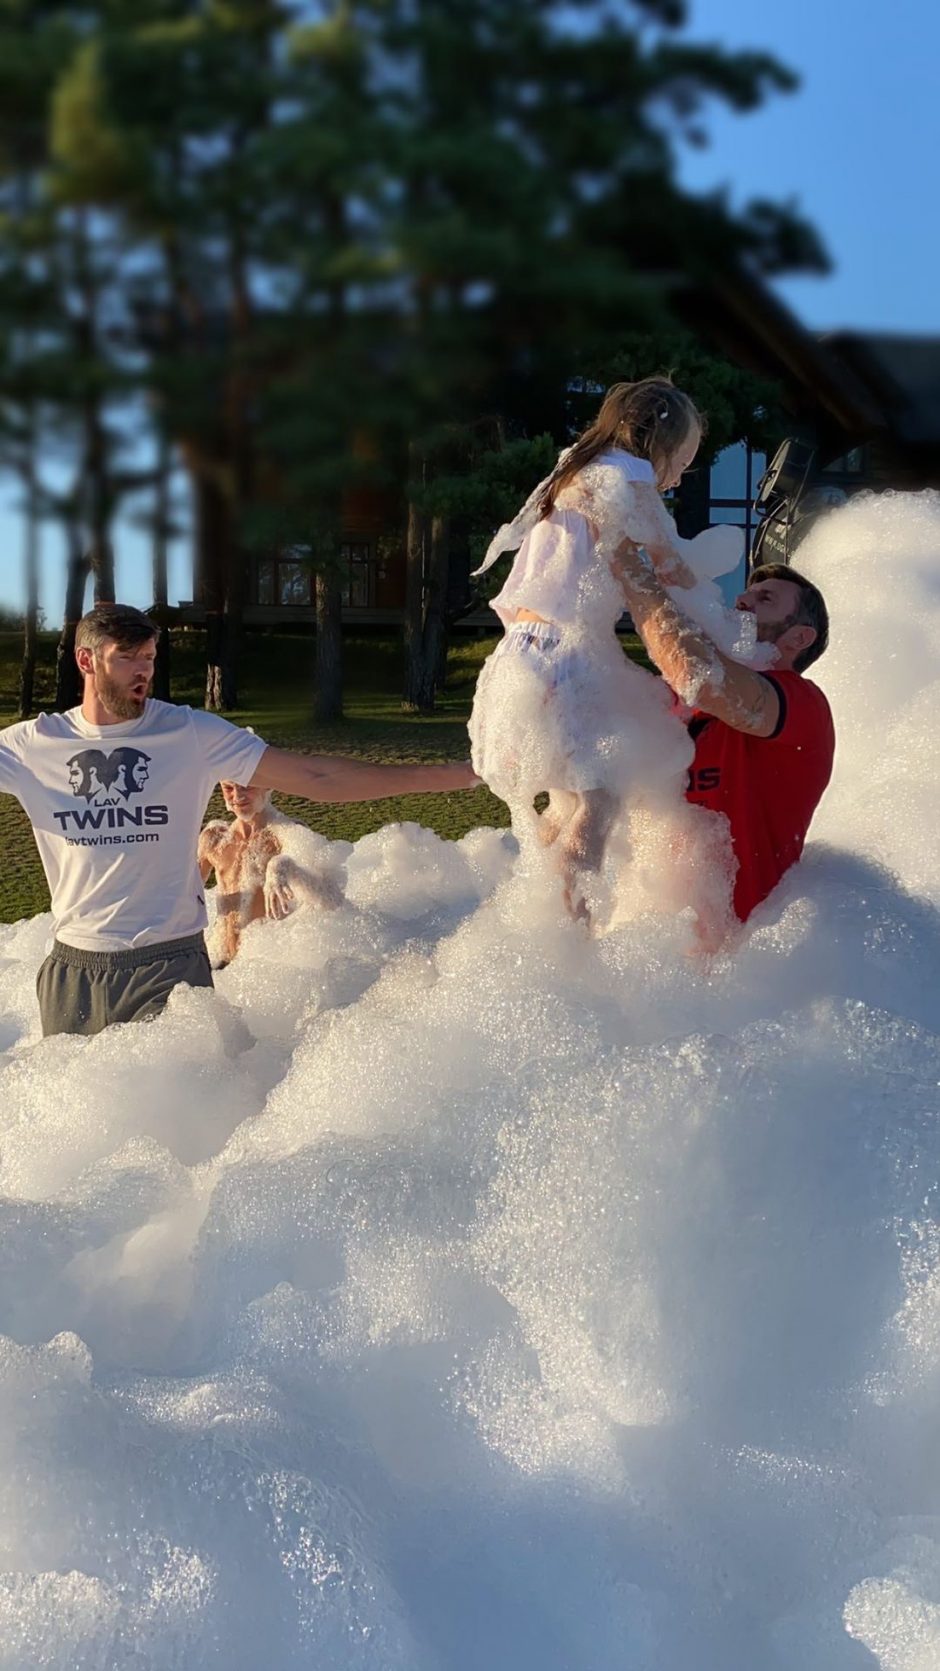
{"x":116,"y":791}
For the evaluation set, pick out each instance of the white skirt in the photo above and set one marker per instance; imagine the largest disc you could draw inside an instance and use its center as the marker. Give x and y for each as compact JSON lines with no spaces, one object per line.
{"x":560,"y":710}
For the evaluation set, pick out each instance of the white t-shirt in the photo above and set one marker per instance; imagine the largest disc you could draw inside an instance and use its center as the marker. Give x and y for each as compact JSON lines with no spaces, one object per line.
{"x":116,"y":812}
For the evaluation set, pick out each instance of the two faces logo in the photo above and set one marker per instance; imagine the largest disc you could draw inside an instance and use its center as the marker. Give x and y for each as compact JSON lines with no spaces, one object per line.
{"x":107,"y":783}
{"x":107,"y":779}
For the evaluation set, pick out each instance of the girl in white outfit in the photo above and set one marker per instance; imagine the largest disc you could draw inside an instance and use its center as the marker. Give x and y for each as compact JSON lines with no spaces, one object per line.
{"x":558,"y":706}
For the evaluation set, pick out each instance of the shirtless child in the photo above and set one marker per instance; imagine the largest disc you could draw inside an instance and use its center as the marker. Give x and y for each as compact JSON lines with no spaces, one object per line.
{"x":266,"y":865}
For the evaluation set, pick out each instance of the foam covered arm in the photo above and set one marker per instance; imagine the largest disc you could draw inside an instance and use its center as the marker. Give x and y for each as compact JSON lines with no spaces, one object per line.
{"x":614,"y":507}
{"x":652,"y":527}
{"x":209,"y":837}
{"x":700,"y":674}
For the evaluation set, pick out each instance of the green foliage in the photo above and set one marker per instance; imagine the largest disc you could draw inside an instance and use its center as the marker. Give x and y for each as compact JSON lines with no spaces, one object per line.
{"x":491,"y":484}
{"x":318,"y":241}
{"x":90,"y":154}
{"x":12,"y":621}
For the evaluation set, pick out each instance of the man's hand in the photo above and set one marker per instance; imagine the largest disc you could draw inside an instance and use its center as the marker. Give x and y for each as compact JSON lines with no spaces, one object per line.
{"x":333,"y":778}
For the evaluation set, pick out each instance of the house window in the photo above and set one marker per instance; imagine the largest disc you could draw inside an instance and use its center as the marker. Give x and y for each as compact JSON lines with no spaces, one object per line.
{"x":735,"y":474}
{"x":734,"y":478}
{"x":293,"y":583}
{"x":285,"y":580}
{"x":288,"y":580}
{"x":358,"y":574}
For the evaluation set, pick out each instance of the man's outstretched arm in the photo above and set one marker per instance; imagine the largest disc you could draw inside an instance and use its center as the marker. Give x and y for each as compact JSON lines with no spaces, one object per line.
{"x":699,"y":673}
{"x":327,"y":777}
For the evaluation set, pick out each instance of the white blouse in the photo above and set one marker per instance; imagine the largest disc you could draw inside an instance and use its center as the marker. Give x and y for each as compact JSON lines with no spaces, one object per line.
{"x":558,"y":572}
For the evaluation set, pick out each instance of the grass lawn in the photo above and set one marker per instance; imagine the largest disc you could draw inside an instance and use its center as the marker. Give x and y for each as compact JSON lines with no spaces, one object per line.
{"x":275,"y":687}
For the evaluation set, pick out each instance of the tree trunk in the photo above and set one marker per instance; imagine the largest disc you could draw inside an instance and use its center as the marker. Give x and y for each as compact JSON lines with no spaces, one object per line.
{"x":211,"y":533}
{"x":328,"y":673}
{"x":232,"y":625}
{"x":416,"y":542}
{"x":98,"y":496}
{"x":425,"y":617}
{"x":231,"y":651}
{"x":101,"y":559}
{"x":31,"y":566}
{"x":328,"y":581}
{"x":28,"y":666}
{"x":238,"y":400}
{"x":68,"y":681}
{"x":435,"y":614}
{"x":161,"y":533}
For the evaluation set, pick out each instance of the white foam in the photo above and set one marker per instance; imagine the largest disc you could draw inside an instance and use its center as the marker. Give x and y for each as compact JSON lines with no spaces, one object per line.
{"x":454,"y":1291}
{"x":880,"y":560}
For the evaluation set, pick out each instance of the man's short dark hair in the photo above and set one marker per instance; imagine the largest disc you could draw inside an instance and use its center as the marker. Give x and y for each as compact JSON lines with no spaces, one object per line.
{"x":810,"y":611}
{"x":116,"y":623}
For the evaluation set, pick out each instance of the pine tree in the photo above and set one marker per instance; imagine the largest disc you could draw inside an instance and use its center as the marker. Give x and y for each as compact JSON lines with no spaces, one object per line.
{"x":160,"y":118}
{"x":61,"y":282}
{"x":327,"y":240}
{"x":532,"y":175}
{"x":28,"y":63}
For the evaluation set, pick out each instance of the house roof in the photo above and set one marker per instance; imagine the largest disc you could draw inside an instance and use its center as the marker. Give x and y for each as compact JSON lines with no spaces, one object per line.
{"x":737,"y":308}
{"x":852,"y":386}
{"x":903,"y":373}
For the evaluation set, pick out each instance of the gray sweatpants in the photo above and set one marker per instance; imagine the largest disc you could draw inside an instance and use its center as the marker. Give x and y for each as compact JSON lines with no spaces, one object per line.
{"x":84,"y":992}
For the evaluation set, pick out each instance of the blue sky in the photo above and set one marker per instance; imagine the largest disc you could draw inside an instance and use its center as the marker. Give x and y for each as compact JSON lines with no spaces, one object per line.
{"x":856,"y":148}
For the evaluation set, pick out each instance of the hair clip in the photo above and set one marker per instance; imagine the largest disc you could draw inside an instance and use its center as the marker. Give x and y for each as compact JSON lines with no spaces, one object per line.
{"x":663,"y":414}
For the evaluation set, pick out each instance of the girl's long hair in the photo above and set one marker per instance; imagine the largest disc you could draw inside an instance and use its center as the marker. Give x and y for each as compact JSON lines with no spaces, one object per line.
{"x":650,"y":419}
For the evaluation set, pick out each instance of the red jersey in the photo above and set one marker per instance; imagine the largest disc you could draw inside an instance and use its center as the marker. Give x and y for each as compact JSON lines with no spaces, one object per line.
{"x":767,"y":787}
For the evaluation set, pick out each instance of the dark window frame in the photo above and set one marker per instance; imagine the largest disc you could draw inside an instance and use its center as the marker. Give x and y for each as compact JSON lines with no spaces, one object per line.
{"x":273,"y":580}
{"x":359,"y":574}
{"x":747,"y":519}
{"x":358,"y":588}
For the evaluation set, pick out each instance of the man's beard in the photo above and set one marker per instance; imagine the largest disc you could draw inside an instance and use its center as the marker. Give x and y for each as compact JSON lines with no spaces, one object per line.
{"x":769,"y":631}
{"x":119,"y":702}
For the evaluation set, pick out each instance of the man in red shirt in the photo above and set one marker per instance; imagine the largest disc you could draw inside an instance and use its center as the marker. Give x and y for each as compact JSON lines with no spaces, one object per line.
{"x":764,"y":742}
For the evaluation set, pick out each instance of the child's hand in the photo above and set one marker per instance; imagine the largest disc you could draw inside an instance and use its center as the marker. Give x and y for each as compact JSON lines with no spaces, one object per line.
{"x":278,"y":900}
{"x":278,"y":893}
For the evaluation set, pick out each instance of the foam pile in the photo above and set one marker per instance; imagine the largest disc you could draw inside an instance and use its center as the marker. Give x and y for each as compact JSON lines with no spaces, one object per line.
{"x":454,"y":1292}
